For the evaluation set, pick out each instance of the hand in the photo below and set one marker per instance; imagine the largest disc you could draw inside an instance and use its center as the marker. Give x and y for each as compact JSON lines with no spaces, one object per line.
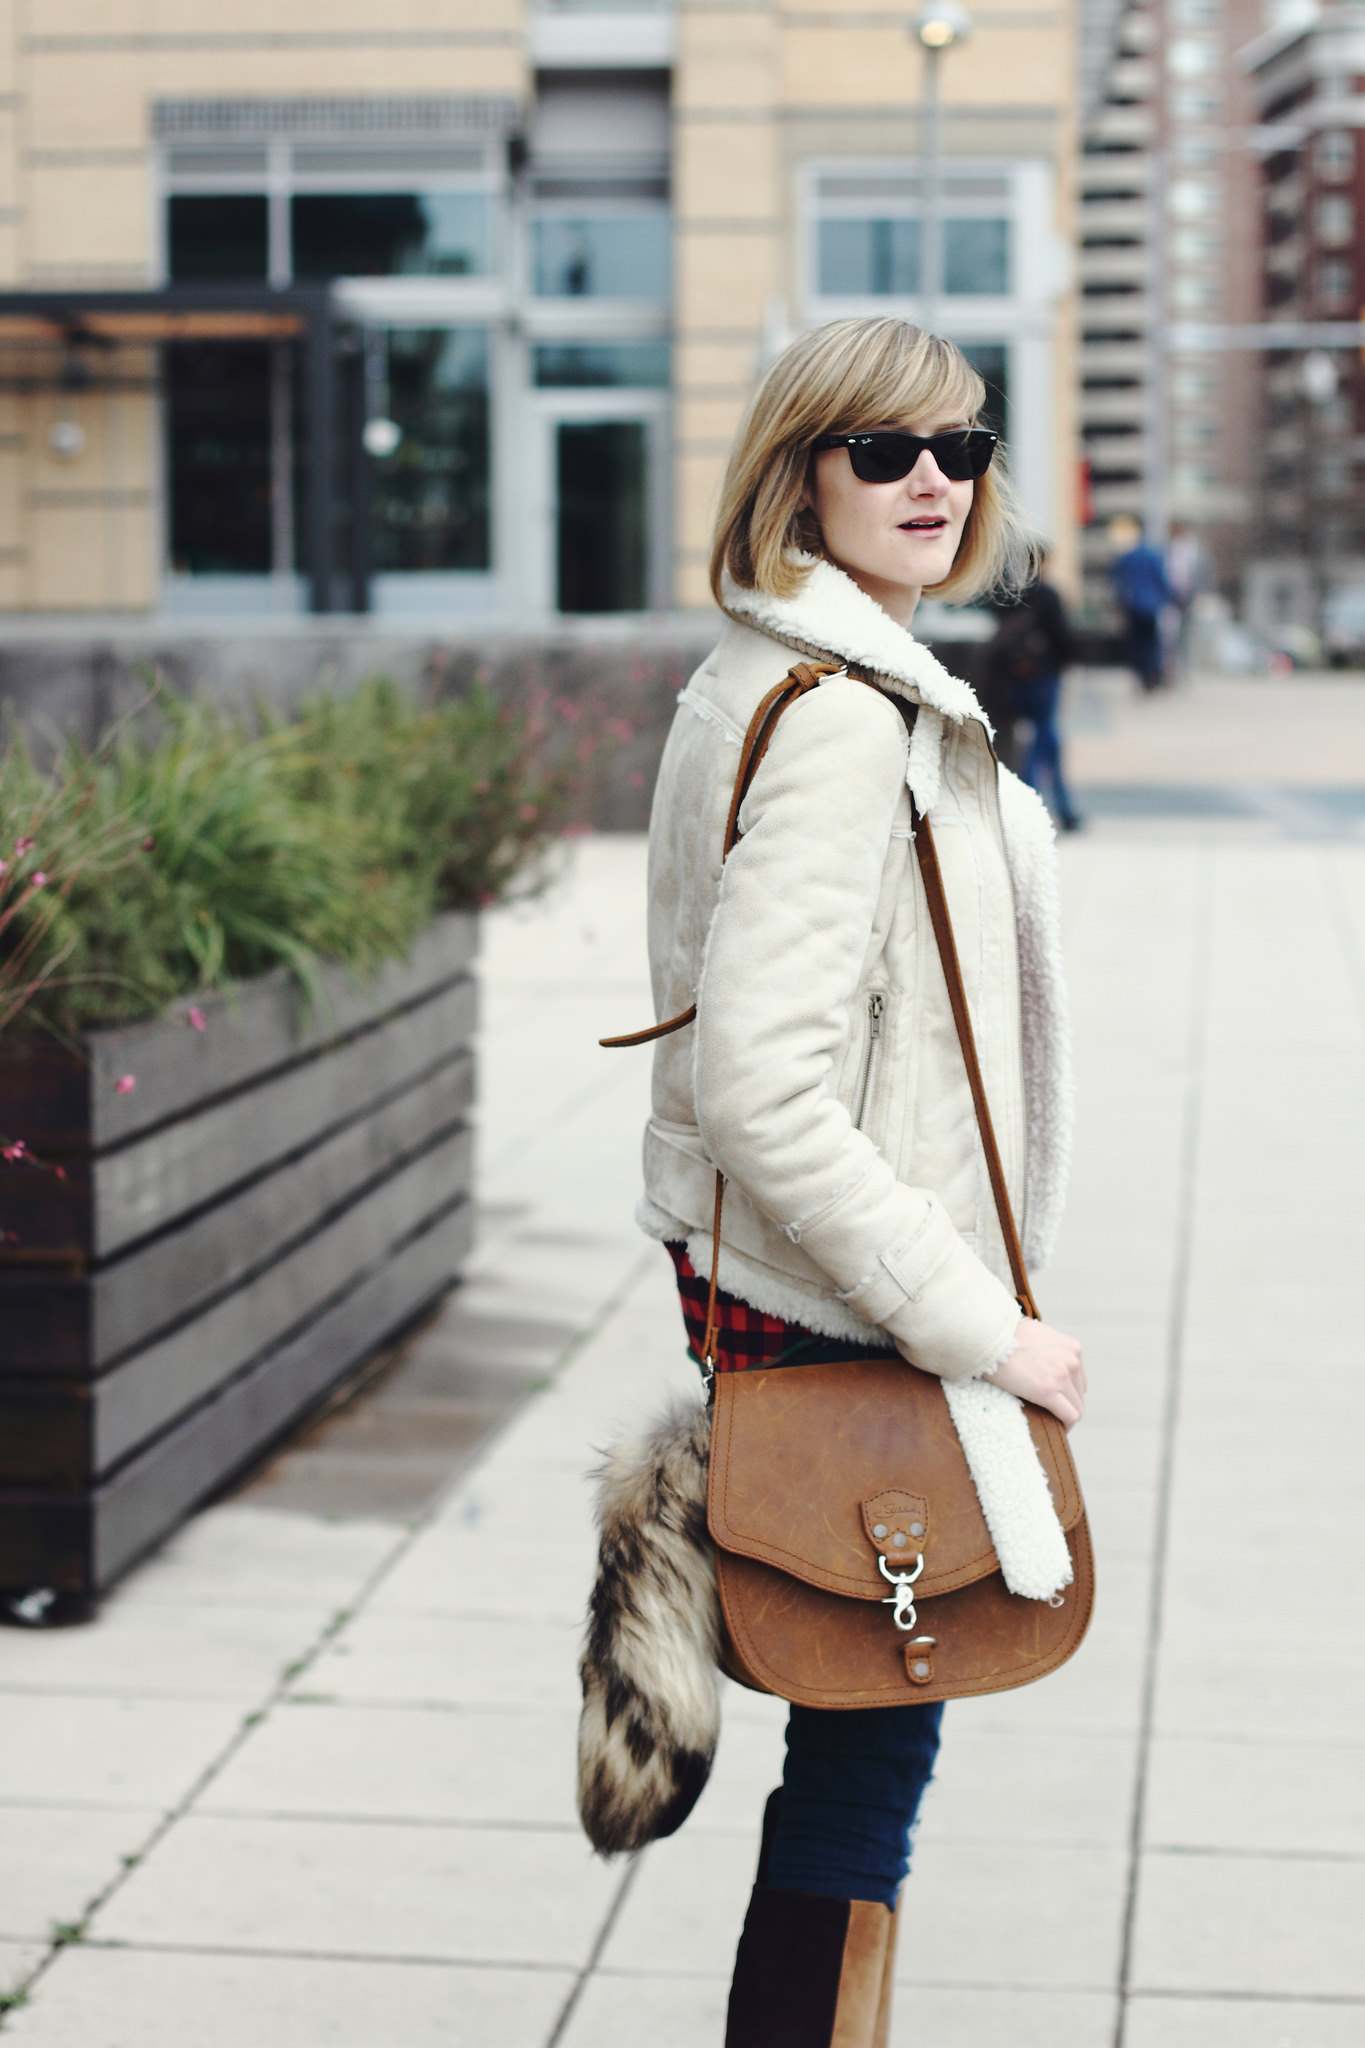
{"x":1046,"y":1368}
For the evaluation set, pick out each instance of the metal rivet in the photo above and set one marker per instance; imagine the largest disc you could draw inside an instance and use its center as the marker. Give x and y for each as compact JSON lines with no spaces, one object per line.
{"x":917,"y":1528}
{"x":898,"y":1540}
{"x":921,"y":1669}
{"x":879,"y":1531}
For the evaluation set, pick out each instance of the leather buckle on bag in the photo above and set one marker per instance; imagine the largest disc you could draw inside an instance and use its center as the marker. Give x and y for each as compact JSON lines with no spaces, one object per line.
{"x":919,"y":1660}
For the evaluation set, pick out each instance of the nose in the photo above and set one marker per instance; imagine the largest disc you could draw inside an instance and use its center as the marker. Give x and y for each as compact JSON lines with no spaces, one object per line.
{"x":926,"y":479}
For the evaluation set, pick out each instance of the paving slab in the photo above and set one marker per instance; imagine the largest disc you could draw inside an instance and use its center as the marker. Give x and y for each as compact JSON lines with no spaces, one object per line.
{"x":475,"y":1764}
{"x":55,"y":1860}
{"x":345,"y":1889}
{"x":1283,"y":1926}
{"x":1243,"y":2023}
{"x":146,"y":1649}
{"x":65,"y":1749}
{"x":108,"y":1998}
{"x":1273,"y":1796}
{"x":470,"y":1661}
{"x":1046,"y":1916}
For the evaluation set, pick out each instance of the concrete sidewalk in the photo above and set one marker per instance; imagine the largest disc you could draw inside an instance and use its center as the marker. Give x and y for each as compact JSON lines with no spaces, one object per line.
{"x":310,"y":1780}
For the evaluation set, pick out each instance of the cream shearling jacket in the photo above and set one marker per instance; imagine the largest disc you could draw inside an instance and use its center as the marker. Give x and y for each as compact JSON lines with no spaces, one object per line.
{"x":823,"y":1076}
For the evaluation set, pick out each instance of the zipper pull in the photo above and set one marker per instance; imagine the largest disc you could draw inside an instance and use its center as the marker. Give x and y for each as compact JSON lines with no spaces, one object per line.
{"x":875,"y":1005}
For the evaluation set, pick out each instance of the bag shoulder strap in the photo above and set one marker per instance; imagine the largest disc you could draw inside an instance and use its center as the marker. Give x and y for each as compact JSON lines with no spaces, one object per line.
{"x":931,"y":875}
{"x":800,"y":678}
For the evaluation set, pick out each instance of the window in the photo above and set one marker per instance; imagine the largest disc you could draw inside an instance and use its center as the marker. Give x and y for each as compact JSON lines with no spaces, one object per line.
{"x":1334,"y":154}
{"x":1335,"y":220}
{"x":1194,"y":198}
{"x":976,"y":257}
{"x":991,"y":361}
{"x":1334,"y":285}
{"x":431,"y":495}
{"x":390,"y":234}
{"x":218,"y":404}
{"x":881,"y":258}
{"x":603,"y":255}
{"x":869,"y":258}
{"x":623,"y":365}
{"x":217,"y":234}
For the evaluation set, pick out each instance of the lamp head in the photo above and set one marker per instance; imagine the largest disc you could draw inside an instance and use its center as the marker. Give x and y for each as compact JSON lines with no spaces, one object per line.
{"x":939,"y":27}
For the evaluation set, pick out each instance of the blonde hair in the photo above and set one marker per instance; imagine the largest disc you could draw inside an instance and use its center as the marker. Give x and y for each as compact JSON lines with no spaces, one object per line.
{"x":844,"y":379}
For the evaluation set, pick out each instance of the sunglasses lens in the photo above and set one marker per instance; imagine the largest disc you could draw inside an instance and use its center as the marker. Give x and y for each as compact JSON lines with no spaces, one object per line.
{"x":961,"y":456}
{"x":886,"y":458}
{"x":883,"y":458}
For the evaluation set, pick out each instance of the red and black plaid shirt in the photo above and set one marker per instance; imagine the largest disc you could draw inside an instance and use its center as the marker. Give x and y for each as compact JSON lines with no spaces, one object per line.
{"x":746,"y":1336}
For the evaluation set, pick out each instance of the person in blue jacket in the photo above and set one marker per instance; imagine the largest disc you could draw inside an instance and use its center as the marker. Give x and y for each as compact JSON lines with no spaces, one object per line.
{"x":1143,"y":589}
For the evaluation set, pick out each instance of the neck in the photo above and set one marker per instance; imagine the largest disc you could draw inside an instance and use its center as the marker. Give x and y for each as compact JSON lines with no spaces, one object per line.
{"x":897,"y":599}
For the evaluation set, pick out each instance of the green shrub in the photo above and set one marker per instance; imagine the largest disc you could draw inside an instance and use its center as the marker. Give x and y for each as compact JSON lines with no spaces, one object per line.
{"x":151,"y":868}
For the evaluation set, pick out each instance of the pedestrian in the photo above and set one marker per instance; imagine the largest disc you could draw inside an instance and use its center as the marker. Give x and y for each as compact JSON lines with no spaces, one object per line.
{"x":1142,"y":587}
{"x":820,"y":1073}
{"x":1190,"y":574}
{"x":1033,"y":644}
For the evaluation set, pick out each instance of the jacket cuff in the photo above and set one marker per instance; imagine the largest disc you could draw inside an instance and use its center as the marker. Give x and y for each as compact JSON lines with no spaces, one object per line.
{"x":947,"y":1312}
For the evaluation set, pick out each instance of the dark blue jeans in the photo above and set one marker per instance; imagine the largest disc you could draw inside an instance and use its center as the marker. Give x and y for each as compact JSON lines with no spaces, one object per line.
{"x":851,"y":1790}
{"x":1042,"y":760}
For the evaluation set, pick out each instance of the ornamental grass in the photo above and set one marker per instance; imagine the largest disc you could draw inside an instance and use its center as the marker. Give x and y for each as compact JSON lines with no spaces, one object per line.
{"x":213,"y":848}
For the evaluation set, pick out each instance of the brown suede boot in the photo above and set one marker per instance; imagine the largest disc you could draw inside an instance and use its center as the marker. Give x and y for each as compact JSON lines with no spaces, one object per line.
{"x":811,"y":1972}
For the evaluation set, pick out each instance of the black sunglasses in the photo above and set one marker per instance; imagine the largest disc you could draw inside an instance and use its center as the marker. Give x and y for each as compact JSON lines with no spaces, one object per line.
{"x":884,"y":457}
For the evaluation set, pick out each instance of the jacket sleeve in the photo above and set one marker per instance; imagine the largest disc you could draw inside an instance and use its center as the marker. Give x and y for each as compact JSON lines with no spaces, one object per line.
{"x":784,"y":956}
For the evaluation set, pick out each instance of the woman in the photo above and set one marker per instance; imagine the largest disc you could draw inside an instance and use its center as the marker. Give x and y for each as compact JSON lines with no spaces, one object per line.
{"x":824,"y":1077}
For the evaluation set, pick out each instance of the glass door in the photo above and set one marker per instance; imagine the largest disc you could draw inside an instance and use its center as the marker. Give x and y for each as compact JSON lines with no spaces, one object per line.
{"x":604,"y":542}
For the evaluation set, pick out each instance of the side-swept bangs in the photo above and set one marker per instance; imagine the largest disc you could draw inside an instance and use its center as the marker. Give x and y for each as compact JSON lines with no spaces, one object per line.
{"x":843,"y":379}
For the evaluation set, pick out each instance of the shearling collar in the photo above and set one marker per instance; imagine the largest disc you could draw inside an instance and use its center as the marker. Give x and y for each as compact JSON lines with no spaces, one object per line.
{"x":830,"y":615}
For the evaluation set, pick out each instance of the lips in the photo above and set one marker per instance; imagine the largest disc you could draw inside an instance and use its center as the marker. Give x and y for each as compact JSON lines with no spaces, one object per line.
{"x":923,"y":525}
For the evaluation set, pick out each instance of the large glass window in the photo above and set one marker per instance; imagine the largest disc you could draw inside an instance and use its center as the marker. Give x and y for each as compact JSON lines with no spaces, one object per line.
{"x":217,"y":234}
{"x":603,"y":255}
{"x":389,"y":234}
{"x":624,"y":365}
{"x":869,"y":258}
{"x":218,"y":396}
{"x":431,"y":495}
{"x":976,"y":257}
{"x":880,"y":258}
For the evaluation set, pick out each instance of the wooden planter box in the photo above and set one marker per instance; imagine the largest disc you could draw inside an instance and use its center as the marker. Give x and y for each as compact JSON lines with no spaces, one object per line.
{"x":276,"y":1196}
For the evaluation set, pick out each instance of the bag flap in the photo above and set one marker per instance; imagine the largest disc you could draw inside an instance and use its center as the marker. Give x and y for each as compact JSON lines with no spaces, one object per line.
{"x":816,"y":1469}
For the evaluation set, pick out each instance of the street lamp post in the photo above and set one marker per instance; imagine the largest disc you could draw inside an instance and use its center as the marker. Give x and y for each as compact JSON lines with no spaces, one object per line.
{"x":935,"y":29}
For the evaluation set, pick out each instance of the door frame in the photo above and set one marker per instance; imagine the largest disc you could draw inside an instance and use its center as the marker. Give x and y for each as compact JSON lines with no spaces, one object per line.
{"x":548,"y":409}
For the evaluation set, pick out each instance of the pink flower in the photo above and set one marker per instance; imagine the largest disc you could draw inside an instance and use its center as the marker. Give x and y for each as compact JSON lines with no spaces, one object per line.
{"x":125,"y":1084}
{"x":60,"y":1172}
{"x":4,"y":867}
{"x":527,"y":812}
{"x":196,"y":1017}
{"x":148,"y":843}
{"x":567,"y":709}
{"x":482,"y":788}
{"x":39,"y":879}
{"x":23,"y":845}
{"x":13,"y":1152}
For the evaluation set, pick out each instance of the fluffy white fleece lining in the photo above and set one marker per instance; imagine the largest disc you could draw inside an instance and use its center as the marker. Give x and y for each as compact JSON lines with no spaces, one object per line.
{"x":1049,"y":1104}
{"x":831,"y":615}
{"x":1012,"y":1488}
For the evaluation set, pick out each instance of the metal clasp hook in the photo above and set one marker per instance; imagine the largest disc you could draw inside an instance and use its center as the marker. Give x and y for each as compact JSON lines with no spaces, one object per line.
{"x":903,"y":1614}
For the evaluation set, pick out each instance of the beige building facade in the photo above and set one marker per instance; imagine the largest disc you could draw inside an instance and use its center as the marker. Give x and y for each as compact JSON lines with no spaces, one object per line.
{"x":557,"y":244}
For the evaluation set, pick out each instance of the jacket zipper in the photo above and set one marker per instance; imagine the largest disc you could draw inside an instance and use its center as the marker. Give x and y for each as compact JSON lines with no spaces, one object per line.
{"x":876,"y":1004}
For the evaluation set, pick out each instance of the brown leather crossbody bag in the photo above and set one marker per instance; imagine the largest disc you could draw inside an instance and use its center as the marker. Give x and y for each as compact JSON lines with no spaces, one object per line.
{"x":839,"y":1492}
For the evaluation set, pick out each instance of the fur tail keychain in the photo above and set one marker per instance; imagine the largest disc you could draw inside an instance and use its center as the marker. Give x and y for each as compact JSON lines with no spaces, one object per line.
{"x":651,"y":1698}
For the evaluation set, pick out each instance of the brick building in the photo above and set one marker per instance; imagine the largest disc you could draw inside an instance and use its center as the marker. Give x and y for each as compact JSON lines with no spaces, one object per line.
{"x":449,"y":307}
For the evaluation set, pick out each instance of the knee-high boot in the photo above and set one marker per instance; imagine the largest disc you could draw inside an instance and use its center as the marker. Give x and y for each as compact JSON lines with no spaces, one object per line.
{"x":811,"y":1971}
